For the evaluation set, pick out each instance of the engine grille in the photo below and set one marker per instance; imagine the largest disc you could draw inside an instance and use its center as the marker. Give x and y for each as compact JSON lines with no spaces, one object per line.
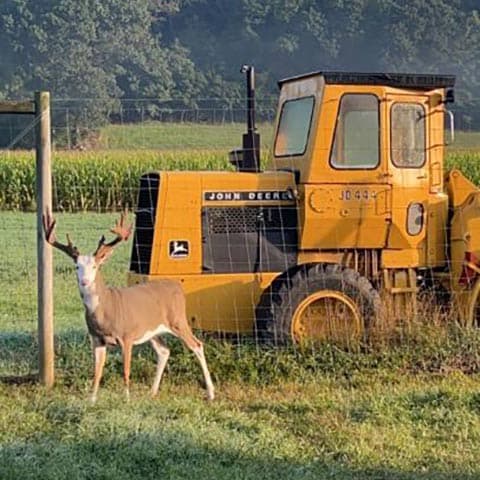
{"x":249,"y":239}
{"x":145,"y":223}
{"x":229,"y":220}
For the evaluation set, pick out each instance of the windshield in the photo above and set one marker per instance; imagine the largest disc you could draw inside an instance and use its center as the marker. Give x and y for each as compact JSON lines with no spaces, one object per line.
{"x":294,"y":127}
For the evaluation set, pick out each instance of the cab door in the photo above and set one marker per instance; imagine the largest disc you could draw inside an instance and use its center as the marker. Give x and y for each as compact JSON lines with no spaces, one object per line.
{"x":347,"y":199}
{"x":409,"y":173}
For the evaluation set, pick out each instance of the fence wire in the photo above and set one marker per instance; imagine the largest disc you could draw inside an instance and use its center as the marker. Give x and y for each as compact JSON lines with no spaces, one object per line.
{"x":97,"y":175}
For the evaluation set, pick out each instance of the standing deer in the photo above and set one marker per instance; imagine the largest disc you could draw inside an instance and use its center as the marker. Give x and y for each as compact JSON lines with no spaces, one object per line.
{"x":131,"y":315}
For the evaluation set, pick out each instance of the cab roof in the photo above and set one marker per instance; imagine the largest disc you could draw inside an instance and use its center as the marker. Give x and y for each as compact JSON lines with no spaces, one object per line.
{"x":400,"y":80}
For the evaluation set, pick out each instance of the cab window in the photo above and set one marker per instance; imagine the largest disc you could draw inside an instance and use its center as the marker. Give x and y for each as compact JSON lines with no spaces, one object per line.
{"x":294,"y":127}
{"x":357,"y":134}
{"x":407,"y":141}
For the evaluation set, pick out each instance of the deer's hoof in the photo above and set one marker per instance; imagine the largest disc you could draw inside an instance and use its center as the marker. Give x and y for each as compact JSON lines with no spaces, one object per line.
{"x":210,"y":396}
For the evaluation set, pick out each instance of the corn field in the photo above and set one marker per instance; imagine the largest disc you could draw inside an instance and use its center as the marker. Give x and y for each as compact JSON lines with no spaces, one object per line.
{"x":106,"y":180}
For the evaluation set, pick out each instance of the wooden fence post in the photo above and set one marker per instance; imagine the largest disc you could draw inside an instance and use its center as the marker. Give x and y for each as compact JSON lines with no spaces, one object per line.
{"x":44,"y":251}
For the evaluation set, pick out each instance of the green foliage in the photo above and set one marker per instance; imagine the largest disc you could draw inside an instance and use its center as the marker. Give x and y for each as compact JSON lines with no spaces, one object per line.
{"x":102,"y":180}
{"x":283,"y":37}
{"x":468,"y":163}
{"x":402,"y":428}
{"x":90,"y":53}
{"x":97,"y":55}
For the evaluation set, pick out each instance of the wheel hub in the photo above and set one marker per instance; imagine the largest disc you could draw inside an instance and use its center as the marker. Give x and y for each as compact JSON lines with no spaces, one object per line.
{"x":327,"y":315}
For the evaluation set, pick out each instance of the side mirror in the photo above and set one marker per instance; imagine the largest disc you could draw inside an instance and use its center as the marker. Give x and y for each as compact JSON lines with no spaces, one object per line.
{"x":449,"y":95}
{"x":451,"y":124}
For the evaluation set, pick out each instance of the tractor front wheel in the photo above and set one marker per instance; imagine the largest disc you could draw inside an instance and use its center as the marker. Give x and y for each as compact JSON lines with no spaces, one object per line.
{"x":317,"y":303}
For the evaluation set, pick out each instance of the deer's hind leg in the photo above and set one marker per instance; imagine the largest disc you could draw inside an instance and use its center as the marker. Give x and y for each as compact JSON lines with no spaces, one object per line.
{"x":163,"y":352}
{"x":196,"y":346}
{"x":127,"y":360}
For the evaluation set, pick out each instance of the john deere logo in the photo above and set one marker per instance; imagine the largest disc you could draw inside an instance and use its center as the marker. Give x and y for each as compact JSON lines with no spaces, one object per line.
{"x":255,"y":196}
{"x":179,"y":248}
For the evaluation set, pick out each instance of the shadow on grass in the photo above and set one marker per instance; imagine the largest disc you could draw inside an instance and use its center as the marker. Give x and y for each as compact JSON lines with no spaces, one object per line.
{"x":19,"y":355}
{"x":27,"y":379}
{"x":18,"y":358}
{"x":74,"y":363}
{"x":177,"y":455}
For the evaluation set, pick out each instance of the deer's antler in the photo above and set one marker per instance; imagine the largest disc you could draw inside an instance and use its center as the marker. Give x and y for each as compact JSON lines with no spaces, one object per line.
{"x":49,"y":224}
{"x":122,"y":233}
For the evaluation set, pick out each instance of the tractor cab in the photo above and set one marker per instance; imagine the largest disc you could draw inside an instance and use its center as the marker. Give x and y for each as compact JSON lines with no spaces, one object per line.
{"x":367,"y":152}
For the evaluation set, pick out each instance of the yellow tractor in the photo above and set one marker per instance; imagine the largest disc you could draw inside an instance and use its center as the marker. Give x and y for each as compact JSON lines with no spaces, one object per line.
{"x":355,"y":211}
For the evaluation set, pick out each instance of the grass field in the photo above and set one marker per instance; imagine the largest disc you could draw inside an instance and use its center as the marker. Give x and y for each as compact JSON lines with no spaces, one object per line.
{"x":182,"y":136}
{"x":409,"y":410}
{"x":465,"y":141}
{"x":222,"y":137}
{"x":405,"y":409}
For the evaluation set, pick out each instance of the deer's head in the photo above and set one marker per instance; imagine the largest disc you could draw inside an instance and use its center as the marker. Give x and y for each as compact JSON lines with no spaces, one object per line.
{"x":87,"y":266}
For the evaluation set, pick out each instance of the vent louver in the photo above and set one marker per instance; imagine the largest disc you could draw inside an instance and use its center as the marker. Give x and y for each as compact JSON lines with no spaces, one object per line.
{"x":145,"y":223}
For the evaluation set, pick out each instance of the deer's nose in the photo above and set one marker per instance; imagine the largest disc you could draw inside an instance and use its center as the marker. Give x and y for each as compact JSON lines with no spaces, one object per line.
{"x":84,"y":282}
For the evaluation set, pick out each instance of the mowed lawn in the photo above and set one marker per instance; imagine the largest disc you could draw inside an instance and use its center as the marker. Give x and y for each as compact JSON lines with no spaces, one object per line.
{"x":398,"y":412}
{"x":181,"y":136}
{"x":220,"y":137}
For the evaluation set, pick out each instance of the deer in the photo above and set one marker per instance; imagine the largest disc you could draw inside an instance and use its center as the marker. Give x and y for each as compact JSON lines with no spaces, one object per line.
{"x":128,"y":316}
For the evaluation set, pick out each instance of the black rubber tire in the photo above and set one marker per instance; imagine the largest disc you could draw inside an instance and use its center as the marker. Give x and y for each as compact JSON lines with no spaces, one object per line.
{"x":278,"y":303}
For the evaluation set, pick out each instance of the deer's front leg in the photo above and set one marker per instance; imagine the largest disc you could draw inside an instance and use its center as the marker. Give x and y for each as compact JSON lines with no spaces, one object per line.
{"x":127,"y":359}
{"x":99,"y":354}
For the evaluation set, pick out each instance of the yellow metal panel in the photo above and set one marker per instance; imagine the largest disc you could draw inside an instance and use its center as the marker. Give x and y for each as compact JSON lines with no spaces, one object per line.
{"x":458,"y":187}
{"x":437,"y":241}
{"x":409,"y":184}
{"x":224,"y":302}
{"x":266,"y":184}
{"x":344,"y":216}
{"x":319,"y":257}
{"x":405,"y":258}
{"x":178,"y":218}
{"x":464,"y":234}
{"x":401,"y":199}
{"x":436,"y":146}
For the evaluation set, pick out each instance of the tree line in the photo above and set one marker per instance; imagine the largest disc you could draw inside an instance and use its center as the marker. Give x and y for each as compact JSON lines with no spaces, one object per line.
{"x":91,"y":54}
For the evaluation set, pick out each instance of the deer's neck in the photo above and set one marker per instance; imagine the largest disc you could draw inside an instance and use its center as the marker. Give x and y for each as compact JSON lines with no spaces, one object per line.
{"x":94,"y":294}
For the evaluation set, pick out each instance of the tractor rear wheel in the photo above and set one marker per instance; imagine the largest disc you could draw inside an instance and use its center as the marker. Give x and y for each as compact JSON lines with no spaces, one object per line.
{"x":317,"y":303}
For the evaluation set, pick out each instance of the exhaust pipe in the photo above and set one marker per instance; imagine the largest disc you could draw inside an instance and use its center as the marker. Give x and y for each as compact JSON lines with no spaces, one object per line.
{"x":248,"y":158}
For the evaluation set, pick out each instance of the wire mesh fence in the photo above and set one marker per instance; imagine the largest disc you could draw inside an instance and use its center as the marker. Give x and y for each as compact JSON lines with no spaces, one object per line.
{"x":97,"y":175}
{"x":153,"y":124}
{"x":139,"y":124}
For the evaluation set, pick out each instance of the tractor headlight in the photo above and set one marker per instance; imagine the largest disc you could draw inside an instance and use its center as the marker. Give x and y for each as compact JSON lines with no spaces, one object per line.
{"x":415,"y":218}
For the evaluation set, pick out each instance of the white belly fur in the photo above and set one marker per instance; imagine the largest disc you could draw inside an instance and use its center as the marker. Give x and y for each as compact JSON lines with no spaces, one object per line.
{"x":150,"y":334}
